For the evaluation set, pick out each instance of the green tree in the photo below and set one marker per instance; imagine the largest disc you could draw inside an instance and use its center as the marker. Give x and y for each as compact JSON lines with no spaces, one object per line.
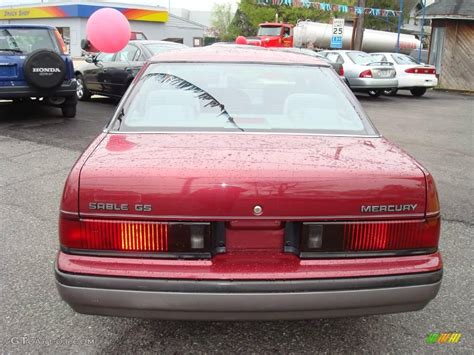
{"x":221,"y":19}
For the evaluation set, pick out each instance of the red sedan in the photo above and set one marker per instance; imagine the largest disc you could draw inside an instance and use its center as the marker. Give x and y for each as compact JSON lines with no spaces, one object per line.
{"x":245,"y":184}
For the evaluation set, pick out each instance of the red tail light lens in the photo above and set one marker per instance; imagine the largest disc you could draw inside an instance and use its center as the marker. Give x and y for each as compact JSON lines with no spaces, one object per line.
{"x":341,"y":71}
{"x":135,"y":236}
{"x":370,"y":236}
{"x":421,"y":71}
{"x":60,"y":41}
{"x":366,"y":74}
{"x":432,"y":201}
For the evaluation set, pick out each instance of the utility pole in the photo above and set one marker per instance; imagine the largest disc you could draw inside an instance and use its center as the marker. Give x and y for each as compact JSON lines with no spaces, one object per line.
{"x":358,"y":30}
{"x":422,"y":29}
{"x":400,"y":24}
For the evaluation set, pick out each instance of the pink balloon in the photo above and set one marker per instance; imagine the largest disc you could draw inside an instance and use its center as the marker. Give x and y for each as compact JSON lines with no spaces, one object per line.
{"x":108,"y":30}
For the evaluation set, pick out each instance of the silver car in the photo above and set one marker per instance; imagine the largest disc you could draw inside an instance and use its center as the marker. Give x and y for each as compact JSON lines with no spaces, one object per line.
{"x":363,"y":73}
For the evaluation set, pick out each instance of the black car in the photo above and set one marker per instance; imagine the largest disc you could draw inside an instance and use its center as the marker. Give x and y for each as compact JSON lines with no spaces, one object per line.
{"x":110,"y":74}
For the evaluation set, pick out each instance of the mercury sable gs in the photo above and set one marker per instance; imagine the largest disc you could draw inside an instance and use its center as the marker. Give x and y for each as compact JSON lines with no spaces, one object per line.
{"x":245,"y":184}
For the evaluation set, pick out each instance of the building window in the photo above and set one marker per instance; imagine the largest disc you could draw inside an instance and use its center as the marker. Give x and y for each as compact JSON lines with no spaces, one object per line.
{"x":436,"y":50}
{"x":198,"y":41}
{"x":177,"y":40}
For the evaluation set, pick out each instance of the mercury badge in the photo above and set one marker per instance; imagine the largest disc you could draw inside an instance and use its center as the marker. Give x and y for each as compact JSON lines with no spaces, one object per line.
{"x":257,"y":210}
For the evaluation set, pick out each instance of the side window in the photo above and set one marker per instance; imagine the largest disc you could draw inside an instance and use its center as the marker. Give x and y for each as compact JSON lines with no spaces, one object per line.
{"x":286,"y":32}
{"x":138,"y":56}
{"x":127,"y":54}
{"x":105,"y":57}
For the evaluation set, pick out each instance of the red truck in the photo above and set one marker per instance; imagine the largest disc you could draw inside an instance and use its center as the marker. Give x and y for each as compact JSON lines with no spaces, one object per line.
{"x":318,"y":35}
{"x":273,"y":34}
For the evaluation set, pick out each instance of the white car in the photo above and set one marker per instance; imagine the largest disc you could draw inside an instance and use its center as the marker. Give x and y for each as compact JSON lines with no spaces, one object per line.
{"x":363,"y":73}
{"x":412,"y":75}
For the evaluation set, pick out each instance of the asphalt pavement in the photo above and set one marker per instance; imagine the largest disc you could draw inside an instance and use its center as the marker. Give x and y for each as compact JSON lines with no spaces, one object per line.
{"x":37,"y":149}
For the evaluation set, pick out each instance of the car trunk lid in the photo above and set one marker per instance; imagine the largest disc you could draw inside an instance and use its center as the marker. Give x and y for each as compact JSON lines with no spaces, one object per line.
{"x":225,"y":176}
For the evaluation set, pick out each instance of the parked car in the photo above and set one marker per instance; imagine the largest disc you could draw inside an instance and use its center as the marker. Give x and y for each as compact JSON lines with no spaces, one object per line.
{"x":34,"y":64}
{"x":110,"y":74}
{"x":412,"y":75}
{"x":363,"y":73}
{"x":338,"y":67}
{"x":244,"y":184}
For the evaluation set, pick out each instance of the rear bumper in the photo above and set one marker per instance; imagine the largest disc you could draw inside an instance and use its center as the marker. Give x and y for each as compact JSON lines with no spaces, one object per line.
{"x":370,"y":83}
{"x":417,"y":80}
{"x":247,"y":300}
{"x":67,"y":89}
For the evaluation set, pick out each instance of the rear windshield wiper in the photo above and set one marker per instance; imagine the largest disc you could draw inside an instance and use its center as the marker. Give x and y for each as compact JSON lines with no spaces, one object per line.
{"x":16,"y":50}
{"x":181,"y":83}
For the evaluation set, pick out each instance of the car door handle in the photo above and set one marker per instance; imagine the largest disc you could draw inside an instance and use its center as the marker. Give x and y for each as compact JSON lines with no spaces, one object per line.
{"x":105,"y":70}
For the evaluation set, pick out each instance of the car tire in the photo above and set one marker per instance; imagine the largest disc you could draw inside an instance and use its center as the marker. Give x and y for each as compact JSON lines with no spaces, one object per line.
{"x":375,"y":93}
{"x":390,"y":92}
{"x":418,"y":91}
{"x":69,"y":108}
{"x":83,"y":94}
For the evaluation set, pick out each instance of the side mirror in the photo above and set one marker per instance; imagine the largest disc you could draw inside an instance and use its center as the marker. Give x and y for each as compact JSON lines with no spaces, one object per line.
{"x":87,"y":46}
{"x":90,"y":59}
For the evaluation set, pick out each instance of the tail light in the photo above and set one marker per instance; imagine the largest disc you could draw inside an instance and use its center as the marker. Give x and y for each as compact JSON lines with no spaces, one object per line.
{"x":60,"y":40}
{"x":134,"y":236}
{"x":369,"y":236}
{"x":341,"y":71}
{"x":366,"y":74}
{"x":432,"y":202}
{"x":421,"y":71}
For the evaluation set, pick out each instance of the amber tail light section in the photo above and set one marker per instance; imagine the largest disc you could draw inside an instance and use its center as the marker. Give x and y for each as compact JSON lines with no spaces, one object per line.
{"x":60,"y":41}
{"x":134,"y":236}
{"x":370,"y":236}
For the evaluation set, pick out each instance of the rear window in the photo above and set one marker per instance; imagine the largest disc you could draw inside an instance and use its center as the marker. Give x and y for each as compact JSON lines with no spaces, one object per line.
{"x":26,"y":40}
{"x":360,"y":58}
{"x":404,"y":59}
{"x":242,"y":97}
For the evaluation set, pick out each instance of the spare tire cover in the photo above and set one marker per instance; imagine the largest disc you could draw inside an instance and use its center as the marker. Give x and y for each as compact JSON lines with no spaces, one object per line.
{"x":44,"y":69}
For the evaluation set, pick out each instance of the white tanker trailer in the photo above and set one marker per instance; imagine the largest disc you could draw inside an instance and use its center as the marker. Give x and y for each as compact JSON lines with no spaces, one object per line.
{"x":318,"y":35}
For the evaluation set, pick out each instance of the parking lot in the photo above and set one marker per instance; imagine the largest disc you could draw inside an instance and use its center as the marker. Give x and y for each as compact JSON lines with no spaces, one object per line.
{"x":38,"y":147}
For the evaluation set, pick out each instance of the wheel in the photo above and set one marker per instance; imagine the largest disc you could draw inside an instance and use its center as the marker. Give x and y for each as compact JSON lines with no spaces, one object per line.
{"x":418,"y":91}
{"x":375,"y":93}
{"x":390,"y":92}
{"x":69,"y":108}
{"x":82,"y":93}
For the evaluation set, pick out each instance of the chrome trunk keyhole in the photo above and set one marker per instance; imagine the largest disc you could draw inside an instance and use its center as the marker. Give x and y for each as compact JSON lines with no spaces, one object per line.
{"x":257,"y":210}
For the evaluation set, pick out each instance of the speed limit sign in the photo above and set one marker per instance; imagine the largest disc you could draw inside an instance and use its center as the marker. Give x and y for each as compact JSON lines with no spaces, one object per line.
{"x":337,"y":32}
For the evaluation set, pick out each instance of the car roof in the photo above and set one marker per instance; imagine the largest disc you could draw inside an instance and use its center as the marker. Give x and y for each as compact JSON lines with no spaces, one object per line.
{"x":146,"y":41}
{"x":28,"y":26}
{"x":343,"y":51}
{"x":232,"y":54}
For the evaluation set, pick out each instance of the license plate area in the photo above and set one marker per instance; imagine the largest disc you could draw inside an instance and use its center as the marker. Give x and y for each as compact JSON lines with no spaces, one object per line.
{"x":248,"y":236}
{"x":7,"y":71}
{"x":384,"y":73}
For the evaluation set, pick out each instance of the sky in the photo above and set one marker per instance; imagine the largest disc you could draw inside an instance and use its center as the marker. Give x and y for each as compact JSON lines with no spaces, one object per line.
{"x":204,"y":5}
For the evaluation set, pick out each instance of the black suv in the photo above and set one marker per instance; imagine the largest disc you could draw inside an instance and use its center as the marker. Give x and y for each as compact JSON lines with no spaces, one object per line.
{"x":34,"y":64}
